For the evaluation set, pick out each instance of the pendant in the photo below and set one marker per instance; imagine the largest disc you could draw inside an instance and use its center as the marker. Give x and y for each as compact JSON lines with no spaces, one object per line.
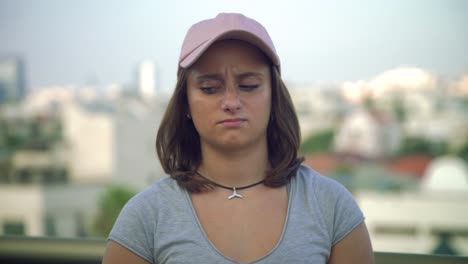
{"x":234,"y":194}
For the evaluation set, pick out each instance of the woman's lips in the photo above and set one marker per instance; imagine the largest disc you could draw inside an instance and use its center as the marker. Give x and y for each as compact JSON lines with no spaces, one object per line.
{"x":232,"y":122}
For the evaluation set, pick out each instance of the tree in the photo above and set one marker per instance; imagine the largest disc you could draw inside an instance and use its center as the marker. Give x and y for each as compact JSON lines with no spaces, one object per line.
{"x":318,"y":142}
{"x":462,"y":152}
{"x":110,"y":204}
{"x":414,"y":145}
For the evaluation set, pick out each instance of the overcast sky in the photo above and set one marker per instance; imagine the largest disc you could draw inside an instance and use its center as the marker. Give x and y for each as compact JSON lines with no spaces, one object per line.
{"x":75,"y":42}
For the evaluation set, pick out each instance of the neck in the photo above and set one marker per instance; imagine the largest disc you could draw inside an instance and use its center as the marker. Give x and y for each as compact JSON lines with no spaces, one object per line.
{"x":234,"y":167}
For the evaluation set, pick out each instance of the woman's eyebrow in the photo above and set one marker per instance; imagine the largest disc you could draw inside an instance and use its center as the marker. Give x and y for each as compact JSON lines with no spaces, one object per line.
{"x":211,"y":76}
{"x":219,"y":77}
{"x":249,"y":74}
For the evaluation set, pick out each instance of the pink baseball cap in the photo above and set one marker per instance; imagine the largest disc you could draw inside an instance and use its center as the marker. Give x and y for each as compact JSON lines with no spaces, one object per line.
{"x":201,"y":35}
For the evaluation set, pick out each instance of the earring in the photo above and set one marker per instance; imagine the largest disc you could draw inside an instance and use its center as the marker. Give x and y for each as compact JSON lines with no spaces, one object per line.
{"x":188,"y":116}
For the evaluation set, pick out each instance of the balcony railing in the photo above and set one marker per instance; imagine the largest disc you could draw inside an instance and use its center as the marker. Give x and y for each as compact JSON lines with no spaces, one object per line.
{"x":37,"y":250}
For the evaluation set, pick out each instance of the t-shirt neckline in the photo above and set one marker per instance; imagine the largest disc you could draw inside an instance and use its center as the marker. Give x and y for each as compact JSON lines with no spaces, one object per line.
{"x":215,"y":250}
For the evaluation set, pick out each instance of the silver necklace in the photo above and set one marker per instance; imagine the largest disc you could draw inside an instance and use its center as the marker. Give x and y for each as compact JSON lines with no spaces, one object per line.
{"x":234,"y":189}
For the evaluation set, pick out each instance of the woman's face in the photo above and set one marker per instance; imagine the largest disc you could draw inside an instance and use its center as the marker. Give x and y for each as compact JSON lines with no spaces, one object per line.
{"x":229,"y":95}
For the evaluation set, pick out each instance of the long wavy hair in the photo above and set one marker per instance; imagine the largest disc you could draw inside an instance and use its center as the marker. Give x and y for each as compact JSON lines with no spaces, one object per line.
{"x":178,"y":142}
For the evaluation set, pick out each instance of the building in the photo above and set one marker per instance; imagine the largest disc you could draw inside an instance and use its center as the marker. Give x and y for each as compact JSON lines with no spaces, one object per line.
{"x":135,"y":127}
{"x":89,"y":136}
{"x":368,"y":134}
{"x":317,"y":108}
{"x":418,"y":221}
{"x":146,"y":79}
{"x":12,"y":79}
{"x":55,"y":191}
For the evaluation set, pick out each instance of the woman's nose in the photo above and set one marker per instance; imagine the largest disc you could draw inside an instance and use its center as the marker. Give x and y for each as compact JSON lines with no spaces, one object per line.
{"x":231,"y":101}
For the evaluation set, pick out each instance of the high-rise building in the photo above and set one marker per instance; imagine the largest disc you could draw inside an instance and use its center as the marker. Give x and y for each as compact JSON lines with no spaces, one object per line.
{"x":12,"y":79}
{"x":146,"y":79}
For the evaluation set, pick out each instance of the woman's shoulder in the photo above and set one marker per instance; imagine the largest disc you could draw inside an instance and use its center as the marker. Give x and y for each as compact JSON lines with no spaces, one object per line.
{"x":306,"y":176}
{"x":158,"y":194}
{"x":337,"y":206}
{"x":164,"y":186}
{"x":325,"y":190}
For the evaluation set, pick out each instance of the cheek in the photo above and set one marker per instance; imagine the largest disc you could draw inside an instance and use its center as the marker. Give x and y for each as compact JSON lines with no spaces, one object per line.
{"x":200,"y":114}
{"x":194,"y":103}
{"x":197,"y":112}
{"x":262,"y":104}
{"x":199,"y":105}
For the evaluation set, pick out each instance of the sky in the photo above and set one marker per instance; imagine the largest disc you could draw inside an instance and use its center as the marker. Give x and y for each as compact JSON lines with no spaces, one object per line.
{"x":101,"y":42}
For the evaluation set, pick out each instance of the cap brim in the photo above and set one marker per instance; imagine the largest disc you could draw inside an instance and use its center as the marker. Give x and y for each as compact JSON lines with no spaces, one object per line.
{"x":196,"y":53}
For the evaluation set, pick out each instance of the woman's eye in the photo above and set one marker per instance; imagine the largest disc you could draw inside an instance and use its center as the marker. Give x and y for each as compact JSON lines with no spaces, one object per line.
{"x":245,"y":87}
{"x":208,"y":89}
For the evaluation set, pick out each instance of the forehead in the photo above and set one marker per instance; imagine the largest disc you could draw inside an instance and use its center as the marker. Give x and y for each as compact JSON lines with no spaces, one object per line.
{"x":230,"y":54}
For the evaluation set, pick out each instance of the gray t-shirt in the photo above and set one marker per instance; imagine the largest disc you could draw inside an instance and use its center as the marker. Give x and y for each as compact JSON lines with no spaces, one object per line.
{"x":160,"y":223}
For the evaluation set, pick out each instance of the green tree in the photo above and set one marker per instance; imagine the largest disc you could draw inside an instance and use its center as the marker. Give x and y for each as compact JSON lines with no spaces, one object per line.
{"x":462,"y":152}
{"x":318,"y":142}
{"x":414,"y":145}
{"x":110,"y":204}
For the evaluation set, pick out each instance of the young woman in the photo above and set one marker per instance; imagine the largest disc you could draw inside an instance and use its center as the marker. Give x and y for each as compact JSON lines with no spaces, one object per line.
{"x":237,"y":192}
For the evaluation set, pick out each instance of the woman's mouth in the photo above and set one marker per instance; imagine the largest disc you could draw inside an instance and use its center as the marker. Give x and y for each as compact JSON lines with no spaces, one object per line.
{"x":233,"y":122}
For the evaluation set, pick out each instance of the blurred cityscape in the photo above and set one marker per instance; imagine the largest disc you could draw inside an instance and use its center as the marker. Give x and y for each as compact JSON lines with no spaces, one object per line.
{"x":71,"y":156}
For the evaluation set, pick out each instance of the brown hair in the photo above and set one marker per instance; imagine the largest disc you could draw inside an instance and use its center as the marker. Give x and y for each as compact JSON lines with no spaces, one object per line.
{"x":178,"y":142}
